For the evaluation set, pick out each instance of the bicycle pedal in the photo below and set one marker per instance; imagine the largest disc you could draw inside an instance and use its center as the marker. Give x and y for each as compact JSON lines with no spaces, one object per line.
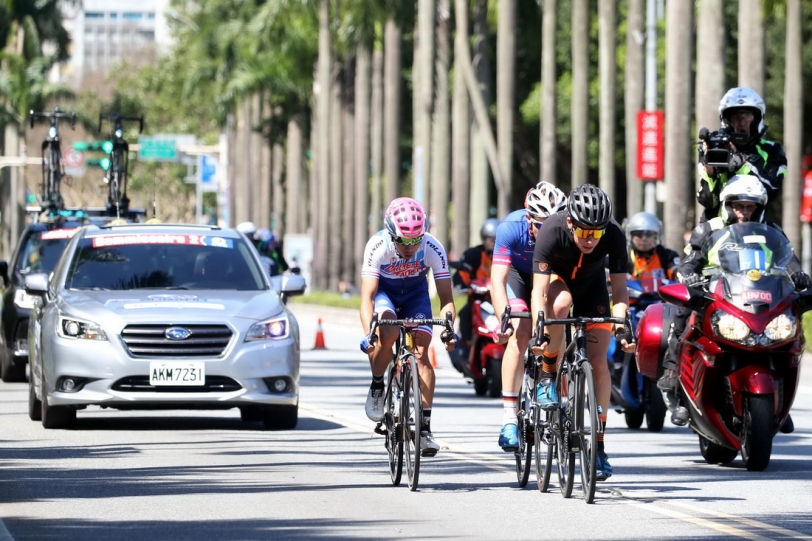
{"x":380,"y":430}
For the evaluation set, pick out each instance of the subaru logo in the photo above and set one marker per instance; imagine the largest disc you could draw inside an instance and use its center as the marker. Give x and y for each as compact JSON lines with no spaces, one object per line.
{"x":177,"y":333}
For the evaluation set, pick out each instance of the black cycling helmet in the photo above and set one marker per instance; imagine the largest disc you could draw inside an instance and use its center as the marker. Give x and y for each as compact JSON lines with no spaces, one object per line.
{"x":589,"y":206}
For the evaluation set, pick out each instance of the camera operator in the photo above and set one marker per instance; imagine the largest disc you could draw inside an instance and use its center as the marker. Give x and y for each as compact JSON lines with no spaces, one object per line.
{"x":738,"y":148}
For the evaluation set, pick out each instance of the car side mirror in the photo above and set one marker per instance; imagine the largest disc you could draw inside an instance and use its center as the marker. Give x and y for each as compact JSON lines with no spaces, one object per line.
{"x":293,"y":284}
{"x":36,"y":283}
{"x":4,"y":272}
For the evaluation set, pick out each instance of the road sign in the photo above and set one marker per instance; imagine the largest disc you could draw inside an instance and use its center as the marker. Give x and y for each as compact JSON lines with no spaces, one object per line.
{"x":94,"y":146}
{"x":650,"y":145}
{"x":163,"y":147}
{"x":208,"y":173}
{"x":74,"y":162}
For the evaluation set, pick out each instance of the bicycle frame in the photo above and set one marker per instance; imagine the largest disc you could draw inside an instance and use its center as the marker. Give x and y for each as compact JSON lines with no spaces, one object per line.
{"x":52,"y":166}
{"x":116,"y":176}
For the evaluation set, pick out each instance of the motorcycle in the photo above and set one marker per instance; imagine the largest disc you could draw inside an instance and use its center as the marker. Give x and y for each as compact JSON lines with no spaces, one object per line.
{"x":739,"y":359}
{"x":481,"y":362}
{"x":633,"y":394}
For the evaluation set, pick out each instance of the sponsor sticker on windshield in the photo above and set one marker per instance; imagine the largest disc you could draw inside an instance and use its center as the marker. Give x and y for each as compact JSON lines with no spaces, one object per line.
{"x":754,"y":239}
{"x":58,"y":234}
{"x":161,"y":238}
{"x":756,"y":295}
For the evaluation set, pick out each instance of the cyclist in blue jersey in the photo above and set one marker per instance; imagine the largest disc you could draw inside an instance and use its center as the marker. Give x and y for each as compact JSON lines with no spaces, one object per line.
{"x":394,"y":284}
{"x":512,"y":283}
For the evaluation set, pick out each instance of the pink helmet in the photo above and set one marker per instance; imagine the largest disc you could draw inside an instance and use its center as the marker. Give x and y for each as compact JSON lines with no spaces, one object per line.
{"x":405,"y":218}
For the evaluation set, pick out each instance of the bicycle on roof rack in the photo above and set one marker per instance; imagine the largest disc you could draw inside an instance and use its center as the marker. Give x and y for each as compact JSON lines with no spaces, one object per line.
{"x":53,"y":169}
{"x":116,"y":175}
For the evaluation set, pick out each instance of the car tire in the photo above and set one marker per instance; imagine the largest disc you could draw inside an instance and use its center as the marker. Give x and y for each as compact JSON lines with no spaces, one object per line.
{"x":56,"y":416}
{"x":251,"y":414}
{"x":12,"y":373}
{"x":280,"y":417}
{"x":34,"y":403}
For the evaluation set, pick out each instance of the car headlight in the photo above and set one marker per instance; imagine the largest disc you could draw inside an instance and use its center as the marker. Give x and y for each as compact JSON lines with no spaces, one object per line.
{"x":23,"y":299}
{"x":79,"y":329}
{"x":780,"y":328}
{"x":730,"y":327}
{"x":271,"y":329}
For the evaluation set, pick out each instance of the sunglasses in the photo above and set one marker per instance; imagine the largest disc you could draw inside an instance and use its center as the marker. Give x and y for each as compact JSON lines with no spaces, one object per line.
{"x":536,"y":224}
{"x":644,"y":234}
{"x":408,"y":242}
{"x":586,"y":233}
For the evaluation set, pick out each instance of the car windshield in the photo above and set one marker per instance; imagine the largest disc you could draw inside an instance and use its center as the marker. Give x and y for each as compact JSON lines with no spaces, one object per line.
{"x":41,"y":249}
{"x":164,"y":261}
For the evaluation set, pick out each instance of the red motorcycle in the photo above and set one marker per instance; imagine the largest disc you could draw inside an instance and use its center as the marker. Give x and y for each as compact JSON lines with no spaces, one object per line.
{"x":740,"y":357}
{"x":482,"y":361}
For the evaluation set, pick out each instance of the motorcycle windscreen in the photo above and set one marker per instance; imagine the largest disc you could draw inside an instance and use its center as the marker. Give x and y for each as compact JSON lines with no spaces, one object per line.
{"x":755,"y":295}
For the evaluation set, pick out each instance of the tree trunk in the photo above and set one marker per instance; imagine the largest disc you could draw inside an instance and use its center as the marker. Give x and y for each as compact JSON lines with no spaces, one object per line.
{"x":271,"y":191}
{"x":361,"y":157}
{"x":679,"y":163}
{"x":241,"y":201}
{"x":423,"y":95}
{"x":461,"y":135}
{"x":348,"y":208}
{"x":391,"y":112}
{"x":441,"y":152}
{"x":793,"y":125}
{"x":505,"y":97}
{"x":580,"y":91}
{"x":334,"y":237}
{"x":481,"y":98}
{"x":751,"y":45}
{"x":295,"y":211}
{"x":275,"y":215}
{"x":633,"y":96}
{"x":607,"y":13}
{"x":376,"y":144}
{"x":259,"y":179}
{"x":547,"y":140}
{"x":321,"y":183}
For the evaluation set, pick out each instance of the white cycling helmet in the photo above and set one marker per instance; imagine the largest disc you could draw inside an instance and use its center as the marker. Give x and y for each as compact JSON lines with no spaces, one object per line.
{"x":247,"y":228}
{"x":743,"y":188}
{"x":544,"y":200}
{"x":744,"y":98}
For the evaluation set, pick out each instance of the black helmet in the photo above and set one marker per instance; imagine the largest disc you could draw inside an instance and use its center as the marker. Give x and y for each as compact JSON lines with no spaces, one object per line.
{"x":589,"y":206}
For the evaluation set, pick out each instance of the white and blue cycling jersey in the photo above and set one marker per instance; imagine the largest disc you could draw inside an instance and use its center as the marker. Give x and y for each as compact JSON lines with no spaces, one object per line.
{"x":403,"y":286}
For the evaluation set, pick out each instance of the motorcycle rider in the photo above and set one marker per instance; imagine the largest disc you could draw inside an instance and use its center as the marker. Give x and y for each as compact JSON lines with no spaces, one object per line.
{"x":394,"y":283}
{"x":744,"y":199}
{"x":512,"y":283}
{"x":477,"y":266}
{"x":741,"y":109}
{"x":264,"y":241}
{"x":647,"y":257}
{"x":569,"y":272}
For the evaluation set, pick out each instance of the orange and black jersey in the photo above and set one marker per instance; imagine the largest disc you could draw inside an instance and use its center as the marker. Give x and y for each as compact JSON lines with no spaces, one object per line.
{"x":660,"y":258}
{"x":557,"y":253}
{"x":478,"y":260}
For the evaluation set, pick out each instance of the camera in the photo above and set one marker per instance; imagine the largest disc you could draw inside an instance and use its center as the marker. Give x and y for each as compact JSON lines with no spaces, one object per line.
{"x":718,"y":142}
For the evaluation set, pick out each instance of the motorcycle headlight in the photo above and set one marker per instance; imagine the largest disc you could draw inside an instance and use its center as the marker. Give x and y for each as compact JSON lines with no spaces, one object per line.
{"x":275,"y":328}
{"x":78,"y":329}
{"x":780,"y":328}
{"x":23,"y":299}
{"x":730,"y":327}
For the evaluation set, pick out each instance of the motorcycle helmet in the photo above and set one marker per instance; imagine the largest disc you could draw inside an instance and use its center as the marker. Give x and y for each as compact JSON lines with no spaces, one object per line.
{"x":247,"y":228}
{"x":743,"y":188}
{"x":589,"y":207}
{"x":644,"y":222}
{"x":265,"y":235}
{"x":405,"y":218}
{"x":544,"y":200}
{"x":489,"y":228}
{"x":744,"y":98}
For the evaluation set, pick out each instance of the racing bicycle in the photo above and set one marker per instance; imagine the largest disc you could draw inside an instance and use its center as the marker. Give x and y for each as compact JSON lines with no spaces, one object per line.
{"x":116,"y":175}
{"x":53,"y":169}
{"x":403,"y":401}
{"x":572,"y":428}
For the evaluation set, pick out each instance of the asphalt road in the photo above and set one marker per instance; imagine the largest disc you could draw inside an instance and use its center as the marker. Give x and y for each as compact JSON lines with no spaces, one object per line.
{"x":206,"y":475}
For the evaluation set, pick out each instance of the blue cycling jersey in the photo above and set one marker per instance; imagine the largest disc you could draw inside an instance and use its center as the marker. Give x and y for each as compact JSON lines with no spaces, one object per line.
{"x":514,"y":243}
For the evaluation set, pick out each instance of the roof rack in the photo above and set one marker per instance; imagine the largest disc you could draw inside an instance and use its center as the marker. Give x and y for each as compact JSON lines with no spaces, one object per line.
{"x":194,"y":226}
{"x":79,"y":214}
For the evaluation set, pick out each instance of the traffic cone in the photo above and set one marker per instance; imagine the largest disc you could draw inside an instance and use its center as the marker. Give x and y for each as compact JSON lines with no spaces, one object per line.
{"x":432,"y":356}
{"x":319,"y":337}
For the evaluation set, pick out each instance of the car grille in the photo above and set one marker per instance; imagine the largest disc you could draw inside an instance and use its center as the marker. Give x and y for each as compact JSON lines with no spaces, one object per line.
{"x":140,"y":384}
{"x":151,"y":341}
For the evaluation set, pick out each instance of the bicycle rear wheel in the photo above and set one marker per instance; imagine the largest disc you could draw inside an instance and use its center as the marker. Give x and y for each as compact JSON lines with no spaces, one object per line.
{"x":544,"y":446}
{"x":562,"y":429}
{"x":391,"y":419}
{"x":524,"y":453}
{"x":411,"y":418}
{"x":588,"y":425}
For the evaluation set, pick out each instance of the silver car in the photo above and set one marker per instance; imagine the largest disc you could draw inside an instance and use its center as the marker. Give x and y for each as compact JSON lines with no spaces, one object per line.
{"x":162,"y":317}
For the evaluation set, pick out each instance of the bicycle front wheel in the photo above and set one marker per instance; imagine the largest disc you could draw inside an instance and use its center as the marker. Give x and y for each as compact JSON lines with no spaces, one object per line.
{"x":562,"y":422}
{"x":588,"y":426}
{"x":411,"y":418}
{"x":524,"y":453}
{"x":391,"y":419}
{"x":544,"y":446}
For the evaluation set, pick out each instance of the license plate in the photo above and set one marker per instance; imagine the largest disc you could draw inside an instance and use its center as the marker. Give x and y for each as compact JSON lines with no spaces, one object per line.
{"x":177,"y":373}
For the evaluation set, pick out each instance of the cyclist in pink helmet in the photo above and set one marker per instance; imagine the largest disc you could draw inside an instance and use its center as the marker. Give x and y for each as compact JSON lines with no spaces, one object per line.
{"x":394,"y":283}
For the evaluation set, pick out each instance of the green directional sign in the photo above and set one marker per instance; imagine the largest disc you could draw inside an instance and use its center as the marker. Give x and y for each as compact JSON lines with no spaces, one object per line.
{"x":104,"y":163}
{"x":158,"y":149}
{"x":94,"y":146}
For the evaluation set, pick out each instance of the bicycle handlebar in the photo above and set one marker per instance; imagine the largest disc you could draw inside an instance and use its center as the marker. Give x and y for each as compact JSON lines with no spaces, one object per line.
{"x":55,"y":116}
{"x":118,"y":118}
{"x":409,"y":324}
{"x":622,"y":333}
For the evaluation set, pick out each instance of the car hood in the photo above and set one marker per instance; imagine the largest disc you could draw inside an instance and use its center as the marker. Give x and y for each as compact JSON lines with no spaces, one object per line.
{"x":161,"y":305}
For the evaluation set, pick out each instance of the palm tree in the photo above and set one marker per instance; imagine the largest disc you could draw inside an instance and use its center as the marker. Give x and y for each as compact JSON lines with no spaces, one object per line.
{"x":633,"y":95}
{"x":441,"y":152}
{"x":678,"y":160}
{"x":321,"y":182}
{"x":793,"y":124}
{"x":505,"y":96}
{"x":461,"y":133}
{"x":547,"y":140}
{"x":580,"y":90}
{"x":423,"y":100}
{"x":607,"y":13}
{"x":391,"y":106}
{"x":751,"y":45}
